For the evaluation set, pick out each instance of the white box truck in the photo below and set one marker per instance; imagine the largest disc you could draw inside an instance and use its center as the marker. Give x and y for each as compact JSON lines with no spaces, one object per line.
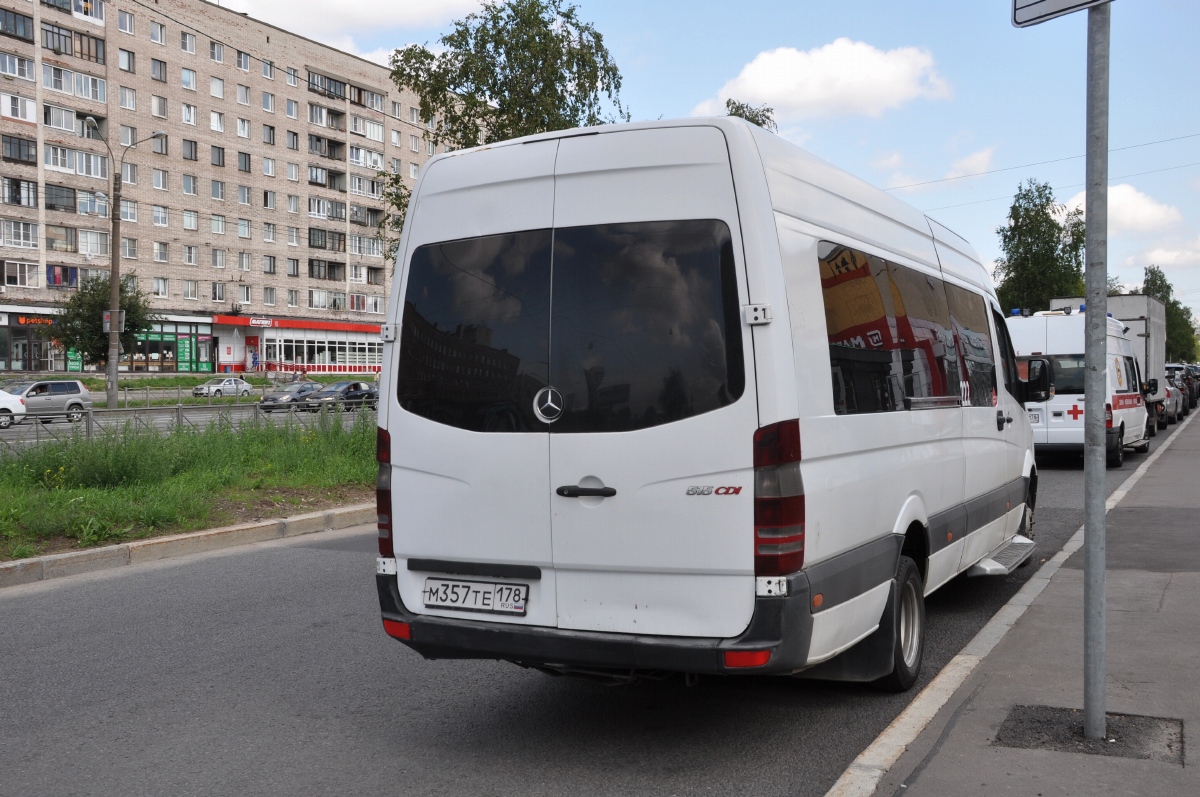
{"x":1146,"y":318}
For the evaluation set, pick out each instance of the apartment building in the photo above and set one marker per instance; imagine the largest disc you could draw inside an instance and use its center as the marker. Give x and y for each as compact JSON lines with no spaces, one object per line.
{"x":252,"y":222}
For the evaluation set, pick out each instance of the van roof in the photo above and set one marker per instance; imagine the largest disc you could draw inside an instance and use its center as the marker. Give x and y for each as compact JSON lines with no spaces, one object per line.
{"x":806,"y":187}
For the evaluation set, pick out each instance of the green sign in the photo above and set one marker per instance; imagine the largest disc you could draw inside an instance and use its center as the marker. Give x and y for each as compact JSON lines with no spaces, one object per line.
{"x":184,"y":353}
{"x":74,"y":361}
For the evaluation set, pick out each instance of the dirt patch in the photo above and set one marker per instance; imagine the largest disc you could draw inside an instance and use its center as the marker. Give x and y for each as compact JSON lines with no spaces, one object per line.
{"x":1061,"y":730}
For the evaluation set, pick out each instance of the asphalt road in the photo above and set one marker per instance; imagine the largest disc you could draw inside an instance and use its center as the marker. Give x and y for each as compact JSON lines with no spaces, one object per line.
{"x":264,"y":670}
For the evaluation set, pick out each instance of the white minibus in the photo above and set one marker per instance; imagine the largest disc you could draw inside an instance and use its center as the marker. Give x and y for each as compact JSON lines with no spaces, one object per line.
{"x":1057,"y":423}
{"x":678,"y":396}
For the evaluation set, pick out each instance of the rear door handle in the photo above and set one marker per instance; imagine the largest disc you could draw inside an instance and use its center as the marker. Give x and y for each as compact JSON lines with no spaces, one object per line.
{"x":1001,"y":420}
{"x":574,"y":491}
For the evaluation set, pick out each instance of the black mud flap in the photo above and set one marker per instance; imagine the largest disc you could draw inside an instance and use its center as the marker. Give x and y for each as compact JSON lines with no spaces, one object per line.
{"x":869,"y":660}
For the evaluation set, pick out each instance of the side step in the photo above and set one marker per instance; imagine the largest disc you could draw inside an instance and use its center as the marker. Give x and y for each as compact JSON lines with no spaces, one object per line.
{"x":1006,"y":559}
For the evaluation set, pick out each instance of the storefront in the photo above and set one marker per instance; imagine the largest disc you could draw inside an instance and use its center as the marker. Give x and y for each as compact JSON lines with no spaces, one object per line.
{"x":27,"y":342}
{"x":178,"y":344}
{"x":249,"y":343}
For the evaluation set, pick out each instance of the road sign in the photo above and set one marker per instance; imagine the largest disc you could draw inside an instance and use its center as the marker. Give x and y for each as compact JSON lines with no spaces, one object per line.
{"x":1032,"y":12}
{"x":108,"y":316}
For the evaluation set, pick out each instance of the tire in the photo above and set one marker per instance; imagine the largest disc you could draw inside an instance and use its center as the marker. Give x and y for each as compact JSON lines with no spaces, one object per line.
{"x":245,"y":392}
{"x":1162,"y":418}
{"x":6,"y":419}
{"x":1151,"y":423}
{"x":910,"y":629}
{"x":1116,"y":458}
{"x":216,"y":394}
{"x":1173,"y":418}
{"x":74,"y":413}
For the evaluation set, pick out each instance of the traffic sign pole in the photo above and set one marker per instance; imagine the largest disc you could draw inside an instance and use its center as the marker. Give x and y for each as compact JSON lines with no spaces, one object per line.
{"x":1095,"y":363}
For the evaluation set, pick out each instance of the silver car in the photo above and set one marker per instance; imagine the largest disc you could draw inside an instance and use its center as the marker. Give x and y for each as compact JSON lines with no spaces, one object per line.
{"x":223,"y":386}
{"x":51,"y":399}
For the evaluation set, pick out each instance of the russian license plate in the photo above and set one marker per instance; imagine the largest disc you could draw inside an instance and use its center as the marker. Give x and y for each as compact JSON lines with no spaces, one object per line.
{"x":1035,"y":417}
{"x":475,"y":596}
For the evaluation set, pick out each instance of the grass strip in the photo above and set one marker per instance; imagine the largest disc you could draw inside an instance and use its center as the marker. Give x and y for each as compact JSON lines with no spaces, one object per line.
{"x":129,"y":484}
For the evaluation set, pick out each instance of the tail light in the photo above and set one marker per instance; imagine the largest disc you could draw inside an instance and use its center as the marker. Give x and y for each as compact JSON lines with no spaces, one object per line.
{"x":383,"y":491}
{"x":1107,"y":416}
{"x":778,"y":500}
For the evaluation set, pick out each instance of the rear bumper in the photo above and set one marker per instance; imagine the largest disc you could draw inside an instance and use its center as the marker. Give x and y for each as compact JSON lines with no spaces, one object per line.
{"x":1110,"y":444}
{"x":782,"y":625}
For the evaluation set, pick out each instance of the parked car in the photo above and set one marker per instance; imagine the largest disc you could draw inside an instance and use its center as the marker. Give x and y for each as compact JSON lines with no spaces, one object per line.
{"x":287,"y":396}
{"x":1190,"y":383}
{"x":51,"y":399}
{"x":1173,"y":406}
{"x":764,"y":410}
{"x":349,"y":395}
{"x":1185,"y":406}
{"x":223,"y":386}
{"x":12,"y":408}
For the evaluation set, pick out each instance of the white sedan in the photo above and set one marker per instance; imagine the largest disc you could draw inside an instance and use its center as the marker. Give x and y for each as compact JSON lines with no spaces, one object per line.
{"x":223,"y":386}
{"x":12,"y":409}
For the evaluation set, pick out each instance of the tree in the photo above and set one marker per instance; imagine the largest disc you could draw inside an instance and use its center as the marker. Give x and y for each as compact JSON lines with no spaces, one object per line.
{"x":1043,"y":250}
{"x":1181,"y":333}
{"x":514,"y":68}
{"x":81,"y":324}
{"x":762,"y":115}
{"x":1115,"y":288}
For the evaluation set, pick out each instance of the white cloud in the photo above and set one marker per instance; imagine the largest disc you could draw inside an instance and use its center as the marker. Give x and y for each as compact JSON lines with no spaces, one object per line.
{"x":1129,"y":210}
{"x":974,"y":163}
{"x":889,"y":162}
{"x":842,"y":78}
{"x":1180,"y":256}
{"x":330,"y":20}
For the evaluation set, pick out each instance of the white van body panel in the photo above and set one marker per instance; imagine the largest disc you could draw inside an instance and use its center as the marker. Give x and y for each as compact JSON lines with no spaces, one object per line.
{"x":846,"y":624}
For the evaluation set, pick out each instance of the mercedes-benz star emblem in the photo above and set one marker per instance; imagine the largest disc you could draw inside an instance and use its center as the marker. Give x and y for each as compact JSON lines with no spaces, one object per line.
{"x":548,"y":404}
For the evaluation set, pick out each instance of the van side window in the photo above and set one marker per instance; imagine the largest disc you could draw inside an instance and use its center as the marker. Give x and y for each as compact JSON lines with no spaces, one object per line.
{"x":1123,"y":370}
{"x":968,"y":314}
{"x":891,"y":344}
{"x":474,"y":338}
{"x":1007,"y":355}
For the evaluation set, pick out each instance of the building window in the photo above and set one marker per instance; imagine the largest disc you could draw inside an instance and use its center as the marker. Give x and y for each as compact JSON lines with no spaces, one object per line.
{"x":243,"y":128}
{"x":158,"y":70}
{"x":293,"y":203}
{"x":128,"y":135}
{"x":268,"y":134}
{"x":187,"y":42}
{"x":129,"y":210}
{"x":243,"y":195}
{"x":268,"y":102}
{"x":188,"y":113}
{"x":20,"y":275}
{"x":243,"y":228}
{"x":128,"y":98}
{"x":269,"y":200}
{"x":160,"y":216}
{"x":293,"y":236}
{"x":218,"y":258}
{"x":189,"y":150}
{"x":158,"y":107}
{"x":188,"y":79}
{"x":268,"y":264}
{"x":58,"y":197}
{"x":293,"y":267}
{"x":125,"y":22}
{"x":129,"y":248}
{"x":160,"y":251}
{"x":159,"y":145}
{"x":189,"y":184}
{"x":294,"y":172}
{"x":269,"y":167}
{"x":244,"y":261}
{"x":160,"y":179}
{"x":243,"y":61}
{"x":21,"y":234}
{"x":218,"y":224}
{"x":189,"y":255}
{"x":216,"y":121}
{"x":160,"y":288}
{"x":412,"y":170}
{"x":318,"y":300}
{"x":268,"y":295}
{"x":292,"y":77}
{"x":216,"y":52}
{"x":128,"y":173}
{"x":268,"y":70}
{"x":158,"y":33}
{"x":191,"y":220}
{"x":89,"y":203}
{"x":243,"y":94}
{"x":218,"y":156}
{"x":268,"y":232}
{"x":216,"y":87}
{"x":190,"y":289}
{"x":20,"y":150}
{"x":218,"y":291}
{"x":243,"y":161}
{"x":293,"y":140}
{"x":125,"y":61}
{"x":218,"y":189}
{"x":293,"y":109}
{"x":244,"y":294}
{"x":293,"y":297}
{"x":24,"y":192}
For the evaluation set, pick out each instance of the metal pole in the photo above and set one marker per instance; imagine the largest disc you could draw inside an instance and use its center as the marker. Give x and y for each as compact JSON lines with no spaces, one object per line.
{"x":114,"y":281}
{"x":1095,"y":363}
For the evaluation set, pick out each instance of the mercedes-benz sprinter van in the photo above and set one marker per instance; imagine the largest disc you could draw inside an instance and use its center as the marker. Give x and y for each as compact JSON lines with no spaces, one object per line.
{"x":679,"y":396}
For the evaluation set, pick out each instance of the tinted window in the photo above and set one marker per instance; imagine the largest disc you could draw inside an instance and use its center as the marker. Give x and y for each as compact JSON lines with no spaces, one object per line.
{"x":645,"y":327}
{"x":475,"y":332}
{"x":1066,"y":374}
{"x":1123,"y":371}
{"x":60,"y":388}
{"x":968,"y":314}
{"x":891,"y":342}
{"x":1008,"y":357}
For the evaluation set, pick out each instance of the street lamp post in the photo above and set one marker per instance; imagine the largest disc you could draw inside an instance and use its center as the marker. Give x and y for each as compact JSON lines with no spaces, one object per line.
{"x":114,"y":248}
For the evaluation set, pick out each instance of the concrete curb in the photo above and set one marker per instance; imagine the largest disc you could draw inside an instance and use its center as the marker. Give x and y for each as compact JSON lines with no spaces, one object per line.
{"x":42,"y":568}
{"x":866,"y":771}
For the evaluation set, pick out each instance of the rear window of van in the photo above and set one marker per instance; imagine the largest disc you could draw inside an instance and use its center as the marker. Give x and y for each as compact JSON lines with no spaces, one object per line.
{"x":636,"y":325}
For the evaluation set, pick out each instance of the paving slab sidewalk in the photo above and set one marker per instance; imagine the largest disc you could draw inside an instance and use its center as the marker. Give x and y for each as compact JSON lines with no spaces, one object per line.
{"x":1153,"y":646}
{"x":40,"y":568}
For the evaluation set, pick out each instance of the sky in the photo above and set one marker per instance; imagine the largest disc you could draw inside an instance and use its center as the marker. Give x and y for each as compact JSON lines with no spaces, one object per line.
{"x":899,"y":93}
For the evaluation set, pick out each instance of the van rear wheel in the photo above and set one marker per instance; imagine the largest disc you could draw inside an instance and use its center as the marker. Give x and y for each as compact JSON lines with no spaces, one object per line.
{"x":1116,"y":457}
{"x":910,"y":629}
